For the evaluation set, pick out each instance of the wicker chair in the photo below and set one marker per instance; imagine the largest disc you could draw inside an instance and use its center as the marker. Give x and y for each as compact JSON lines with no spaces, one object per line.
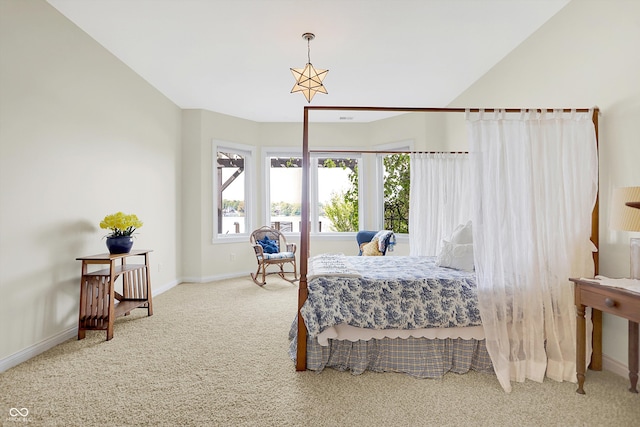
{"x":271,"y":248}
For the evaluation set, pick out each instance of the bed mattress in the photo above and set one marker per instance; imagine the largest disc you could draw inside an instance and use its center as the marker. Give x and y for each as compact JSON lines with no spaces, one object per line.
{"x":387,"y":293}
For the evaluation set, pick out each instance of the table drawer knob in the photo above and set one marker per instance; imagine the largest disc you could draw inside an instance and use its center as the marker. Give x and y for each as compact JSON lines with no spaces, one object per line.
{"x":609,"y":302}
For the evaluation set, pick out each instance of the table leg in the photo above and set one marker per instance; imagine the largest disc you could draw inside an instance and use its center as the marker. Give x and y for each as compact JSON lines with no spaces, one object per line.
{"x":82,"y":304}
{"x":580,"y":348}
{"x":633,"y":356}
{"x":147,"y":272}
{"x":596,"y":341}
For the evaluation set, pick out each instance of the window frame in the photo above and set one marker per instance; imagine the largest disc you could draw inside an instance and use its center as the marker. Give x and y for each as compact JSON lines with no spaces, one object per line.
{"x":249,"y":154}
{"x":313,"y":193}
{"x":402,"y":147}
{"x":266,"y":161}
{"x":313,"y":186}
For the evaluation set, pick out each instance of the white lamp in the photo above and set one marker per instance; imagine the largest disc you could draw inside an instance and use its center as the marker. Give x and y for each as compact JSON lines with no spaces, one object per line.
{"x":625,"y":217}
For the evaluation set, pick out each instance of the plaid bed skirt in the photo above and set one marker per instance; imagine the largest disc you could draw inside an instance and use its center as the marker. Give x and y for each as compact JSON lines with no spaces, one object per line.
{"x":418,"y":357}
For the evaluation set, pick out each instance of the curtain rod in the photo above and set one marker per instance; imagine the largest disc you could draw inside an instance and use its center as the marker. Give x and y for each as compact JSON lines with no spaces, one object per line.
{"x":386,"y":152}
{"x":446,"y":110}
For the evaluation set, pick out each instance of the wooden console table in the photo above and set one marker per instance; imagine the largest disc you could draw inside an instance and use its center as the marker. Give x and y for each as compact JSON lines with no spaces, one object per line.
{"x":617,"y":301}
{"x":100,"y":304}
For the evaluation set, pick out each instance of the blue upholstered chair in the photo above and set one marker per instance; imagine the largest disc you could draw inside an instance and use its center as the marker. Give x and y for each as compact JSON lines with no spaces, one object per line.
{"x":365,"y":236}
{"x":271,"y":248}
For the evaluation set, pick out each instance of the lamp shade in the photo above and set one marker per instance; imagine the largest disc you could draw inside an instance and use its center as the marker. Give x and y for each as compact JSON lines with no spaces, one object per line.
{"x":624,"y":217}
{"x":309,"y":79}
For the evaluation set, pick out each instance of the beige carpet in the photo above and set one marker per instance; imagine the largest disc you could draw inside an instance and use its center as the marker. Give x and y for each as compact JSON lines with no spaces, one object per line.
{"x":216,"y":355}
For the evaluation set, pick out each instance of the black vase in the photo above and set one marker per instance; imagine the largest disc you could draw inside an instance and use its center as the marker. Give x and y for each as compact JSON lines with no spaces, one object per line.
{"x":119,"y":244}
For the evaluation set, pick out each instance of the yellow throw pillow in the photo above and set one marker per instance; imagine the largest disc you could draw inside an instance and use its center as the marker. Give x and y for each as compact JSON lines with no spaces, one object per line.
{"x":371,"y":248}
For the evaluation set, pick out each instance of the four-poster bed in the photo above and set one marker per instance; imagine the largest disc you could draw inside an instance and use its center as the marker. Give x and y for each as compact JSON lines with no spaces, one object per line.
{"x":301,"y":337}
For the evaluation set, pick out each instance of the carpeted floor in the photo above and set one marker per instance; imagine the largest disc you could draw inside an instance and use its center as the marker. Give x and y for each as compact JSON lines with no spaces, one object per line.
{"x":215,"y":354}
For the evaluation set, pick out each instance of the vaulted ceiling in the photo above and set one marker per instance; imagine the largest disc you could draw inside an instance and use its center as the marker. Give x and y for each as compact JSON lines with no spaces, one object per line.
{"x":234,"y":56}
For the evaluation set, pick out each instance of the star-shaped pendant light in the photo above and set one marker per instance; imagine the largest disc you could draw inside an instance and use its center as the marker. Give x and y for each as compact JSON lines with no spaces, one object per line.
{"x":308,"y":79}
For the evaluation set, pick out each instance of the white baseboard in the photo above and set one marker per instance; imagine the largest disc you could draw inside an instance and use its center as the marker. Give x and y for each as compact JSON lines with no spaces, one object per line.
{"x":52,"y":341}
{"x":215,"y":278}
{"x":612,"y":365}
{"x":165,"y":288}
{"x":35,"y":349}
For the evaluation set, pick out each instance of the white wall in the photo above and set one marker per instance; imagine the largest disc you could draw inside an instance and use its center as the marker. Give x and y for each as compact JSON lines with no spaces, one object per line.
{"x":81,"y":136}
{"x":204,"y":259}
{"x":586,"y":55}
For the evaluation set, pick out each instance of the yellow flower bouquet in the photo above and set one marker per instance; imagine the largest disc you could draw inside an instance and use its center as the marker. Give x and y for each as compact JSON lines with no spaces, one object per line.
{"x":120,"y":224}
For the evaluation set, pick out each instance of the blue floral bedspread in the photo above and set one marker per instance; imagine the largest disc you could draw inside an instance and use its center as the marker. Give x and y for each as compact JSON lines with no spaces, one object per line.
{"x":393,"y":292}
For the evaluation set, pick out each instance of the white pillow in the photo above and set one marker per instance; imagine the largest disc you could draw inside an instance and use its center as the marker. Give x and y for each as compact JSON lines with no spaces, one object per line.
{"x":455,"y":256}
{"x":462,"y":234}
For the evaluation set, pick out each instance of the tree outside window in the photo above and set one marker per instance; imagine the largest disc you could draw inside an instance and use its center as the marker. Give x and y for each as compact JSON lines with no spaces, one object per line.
{"x":343,"y":207}
{"x":332,"y":182}
{"x":397,"y":181}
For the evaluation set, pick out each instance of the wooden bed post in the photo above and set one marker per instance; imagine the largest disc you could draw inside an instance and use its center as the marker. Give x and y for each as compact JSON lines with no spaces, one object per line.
{"x":301,"y":352}
{"x":596,"y":315}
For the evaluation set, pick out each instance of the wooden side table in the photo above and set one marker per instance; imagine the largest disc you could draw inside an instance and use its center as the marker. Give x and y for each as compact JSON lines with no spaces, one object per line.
{"x":100,"y":304}
{"x":617,"y":301}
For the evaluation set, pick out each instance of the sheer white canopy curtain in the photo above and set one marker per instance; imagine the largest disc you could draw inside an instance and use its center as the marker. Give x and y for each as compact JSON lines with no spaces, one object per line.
{"x":442,"y":180}
{"x":535,"y":180}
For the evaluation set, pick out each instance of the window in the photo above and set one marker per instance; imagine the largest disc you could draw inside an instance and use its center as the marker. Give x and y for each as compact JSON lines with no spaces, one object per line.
{"x":337,"y":193}
{"x":394,"y":186}
{"x":333,"y":192}
{"x":232,"y":189}
{"x":395,"y":189}
{"x":285,"y":192}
